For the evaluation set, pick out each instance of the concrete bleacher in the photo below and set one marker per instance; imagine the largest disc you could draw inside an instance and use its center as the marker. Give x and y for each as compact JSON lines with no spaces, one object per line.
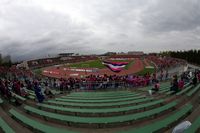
{"x":164,"y":123}
{"x":20,"y":98}
{"x":100,"y":97}
{"x":31,"y":95}
{"x":100,"y":101}
{"x":100,"y":105}
{"x":191,"y":92}
{"x":100,"y":120}
{"x":102,"y":110}
{"x":36,"y":125}
{"x":100,"y":94}
{"x":194,"y":127}
{"x":5,"y":127}
{"x":184,"y":90}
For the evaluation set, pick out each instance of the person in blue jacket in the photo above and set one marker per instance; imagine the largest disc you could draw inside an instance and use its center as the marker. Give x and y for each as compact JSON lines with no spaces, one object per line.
{"x":38,"y":92}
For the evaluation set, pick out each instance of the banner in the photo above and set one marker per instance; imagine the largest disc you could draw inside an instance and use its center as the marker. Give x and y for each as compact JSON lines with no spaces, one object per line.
{"x":115,"y":66}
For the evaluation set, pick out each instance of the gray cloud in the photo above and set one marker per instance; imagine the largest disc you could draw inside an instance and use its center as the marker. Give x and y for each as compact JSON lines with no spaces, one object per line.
{"x":172,"y":15}
{"x":32,"y":29}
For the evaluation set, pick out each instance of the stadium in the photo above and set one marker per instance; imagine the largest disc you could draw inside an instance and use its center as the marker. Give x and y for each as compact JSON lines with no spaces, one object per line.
{"x":132,"y":90}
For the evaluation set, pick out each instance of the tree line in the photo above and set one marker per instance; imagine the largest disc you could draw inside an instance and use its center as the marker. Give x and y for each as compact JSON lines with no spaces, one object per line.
{"x":192,"y":56}
{"x":6,"y":64}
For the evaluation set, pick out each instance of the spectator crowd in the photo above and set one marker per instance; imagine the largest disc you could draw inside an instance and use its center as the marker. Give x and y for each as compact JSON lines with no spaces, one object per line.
{"x":20,"y":81}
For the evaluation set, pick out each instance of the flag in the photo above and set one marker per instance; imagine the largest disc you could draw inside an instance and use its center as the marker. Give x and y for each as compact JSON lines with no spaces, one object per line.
{"x":115,"y":66}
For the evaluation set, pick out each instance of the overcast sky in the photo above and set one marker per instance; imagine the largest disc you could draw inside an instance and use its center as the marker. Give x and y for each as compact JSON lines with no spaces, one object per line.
{"x":34,"y":28}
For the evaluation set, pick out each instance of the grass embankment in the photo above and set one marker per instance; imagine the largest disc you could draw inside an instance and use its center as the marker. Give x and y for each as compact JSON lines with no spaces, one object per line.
{"x":129,"y":64}
{"x":147,"y":69}
{"x":38,"y":71}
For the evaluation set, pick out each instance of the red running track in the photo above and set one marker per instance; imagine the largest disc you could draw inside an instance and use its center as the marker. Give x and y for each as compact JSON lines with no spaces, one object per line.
{"x":61,"y":73}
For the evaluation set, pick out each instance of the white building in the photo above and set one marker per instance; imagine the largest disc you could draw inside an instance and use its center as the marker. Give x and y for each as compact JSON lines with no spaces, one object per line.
{"x":23,"y":65}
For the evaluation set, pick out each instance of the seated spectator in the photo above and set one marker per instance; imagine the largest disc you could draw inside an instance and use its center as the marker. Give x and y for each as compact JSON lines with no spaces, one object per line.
{"x":174,"y":86}
{"x":16,"y":87}
{"x":8,"y":94}
{"x":181,"y":84}
{"x":48,"y":92}
{"x":23,"y":91}
{"x":156,"y":86}
{"x":155,"y":89}
{"x":194,"y":80}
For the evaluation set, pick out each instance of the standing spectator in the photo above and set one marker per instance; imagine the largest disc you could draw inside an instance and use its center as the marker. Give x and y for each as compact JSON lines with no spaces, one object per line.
{"x":161,"y":75}
{"x":194,"y":80}
{"x":38,"y":92}
{"x":198,"y":76}
{"x":174,"y":86}
{"x":166,"y":75}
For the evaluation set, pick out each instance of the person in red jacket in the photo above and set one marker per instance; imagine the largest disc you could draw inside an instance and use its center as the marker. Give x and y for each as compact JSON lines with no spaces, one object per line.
{"x":156,"y":86}
{"x":181,"y":84}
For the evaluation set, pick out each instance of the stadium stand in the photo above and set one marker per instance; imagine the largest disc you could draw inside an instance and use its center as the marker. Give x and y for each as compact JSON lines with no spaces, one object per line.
{"x":95,"y":109}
